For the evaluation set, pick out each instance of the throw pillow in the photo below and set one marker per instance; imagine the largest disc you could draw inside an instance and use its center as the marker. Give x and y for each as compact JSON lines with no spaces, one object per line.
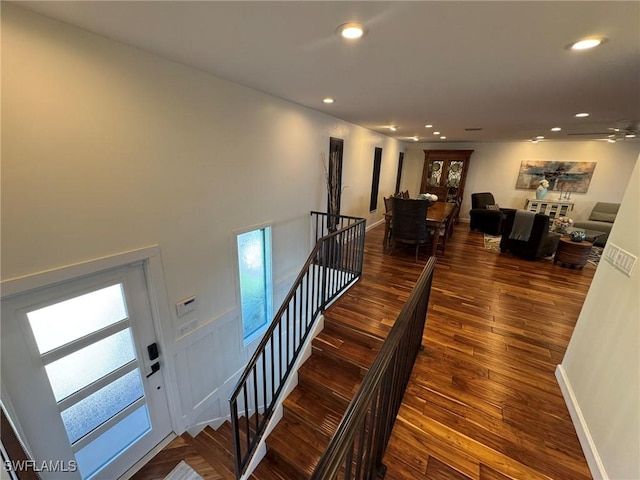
{"x":493,"y":207}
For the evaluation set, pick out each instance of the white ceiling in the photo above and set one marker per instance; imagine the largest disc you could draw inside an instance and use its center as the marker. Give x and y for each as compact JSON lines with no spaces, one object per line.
{"x":499,"y":66}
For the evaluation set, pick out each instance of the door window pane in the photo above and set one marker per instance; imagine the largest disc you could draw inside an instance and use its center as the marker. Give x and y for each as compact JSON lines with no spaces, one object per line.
{"x":63,"y":322}
{"x":97,"y":408}
{"x":255,"y":285}
{"x":70,"y":374}
{"x":111,"y":443}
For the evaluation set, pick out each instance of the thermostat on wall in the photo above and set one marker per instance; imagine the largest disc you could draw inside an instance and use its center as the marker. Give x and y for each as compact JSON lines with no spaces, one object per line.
{"x":185,"y":306}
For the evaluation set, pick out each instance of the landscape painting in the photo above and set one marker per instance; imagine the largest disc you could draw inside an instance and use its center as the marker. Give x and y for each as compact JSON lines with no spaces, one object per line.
{"x":562,"y":176}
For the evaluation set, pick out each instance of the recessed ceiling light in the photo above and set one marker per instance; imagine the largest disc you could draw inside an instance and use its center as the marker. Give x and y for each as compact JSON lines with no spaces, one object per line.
{"x":533,"y":140}
{"x":352,"y":30}
{"x":540,"y":137}
{"x":582,"y":115}
{"x":436,"y":133}
{"x":393,"y":128}
{"x":416,"y":138}
{"x":328,"y":100}
{"x":611,"y":140}
{"x":587,"y":43}
{"x":556,"y":129}
{"x":442,"y":137}
{"x":630,"y":135}
{"x":428,"y":125}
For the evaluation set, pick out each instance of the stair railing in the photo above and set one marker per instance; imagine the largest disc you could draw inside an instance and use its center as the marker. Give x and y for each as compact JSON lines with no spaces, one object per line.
{"x":333,"y":265}
{"x":358,"y":446}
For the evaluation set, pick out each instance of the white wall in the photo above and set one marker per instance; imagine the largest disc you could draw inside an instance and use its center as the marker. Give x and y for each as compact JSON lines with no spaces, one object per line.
{"x":602,"y":363}
{"x":106,"y":148}
{"x":494,"y":168}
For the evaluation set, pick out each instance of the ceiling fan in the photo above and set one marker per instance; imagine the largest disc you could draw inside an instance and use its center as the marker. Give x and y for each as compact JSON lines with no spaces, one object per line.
{"x":623,"y":130}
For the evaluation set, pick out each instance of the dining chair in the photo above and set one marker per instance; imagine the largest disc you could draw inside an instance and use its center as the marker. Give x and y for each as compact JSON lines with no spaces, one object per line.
{"x":410,"y":222}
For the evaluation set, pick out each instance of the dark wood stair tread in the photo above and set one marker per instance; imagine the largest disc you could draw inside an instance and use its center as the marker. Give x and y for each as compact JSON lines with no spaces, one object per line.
{"x":289,"y":444}
{"x":269,"y":469}
{"x":215,"y":447}
{"x":336,"y":346}
{"x":344,"y":330}
{"x":323,"y":412}
{"x":330,"y":377}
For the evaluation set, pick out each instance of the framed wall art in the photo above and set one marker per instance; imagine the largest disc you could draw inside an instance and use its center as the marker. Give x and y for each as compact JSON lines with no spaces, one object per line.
{"x":562,"y":176}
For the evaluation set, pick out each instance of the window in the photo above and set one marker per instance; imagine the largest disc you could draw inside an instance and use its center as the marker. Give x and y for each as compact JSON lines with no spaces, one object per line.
{"x":254,"y":267}
{"x":375,"y":181}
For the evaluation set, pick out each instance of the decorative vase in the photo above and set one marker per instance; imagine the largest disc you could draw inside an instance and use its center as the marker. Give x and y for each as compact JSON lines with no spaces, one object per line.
{"x":540,"y":192}
{"x":577,"y":236}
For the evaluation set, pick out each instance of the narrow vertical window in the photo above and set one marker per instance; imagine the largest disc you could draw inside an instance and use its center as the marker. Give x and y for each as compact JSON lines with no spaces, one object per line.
{"x":375,"y":182}
{"x":399,"y":174}
{"x":254,"y":266}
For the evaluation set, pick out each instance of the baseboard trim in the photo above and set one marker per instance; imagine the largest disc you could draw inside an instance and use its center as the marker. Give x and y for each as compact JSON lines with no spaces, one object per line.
{"x":582,"y":429}
{"x":374,"y":225}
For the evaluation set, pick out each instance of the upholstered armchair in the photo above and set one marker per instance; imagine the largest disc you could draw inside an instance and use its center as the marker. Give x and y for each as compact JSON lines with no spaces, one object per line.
{"x":410,"y":222}
{"x":485,"y":215}
{"x":541,"y":242}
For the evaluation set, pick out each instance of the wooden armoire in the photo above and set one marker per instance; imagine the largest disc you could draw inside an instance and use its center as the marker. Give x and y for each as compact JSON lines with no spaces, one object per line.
{"x":446,"y":168}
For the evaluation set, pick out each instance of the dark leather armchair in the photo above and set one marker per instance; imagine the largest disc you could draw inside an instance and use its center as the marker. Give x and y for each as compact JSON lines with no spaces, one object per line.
{"x":410,"y":222}
{"x":482,"y":218}
{"x":541,"y":243}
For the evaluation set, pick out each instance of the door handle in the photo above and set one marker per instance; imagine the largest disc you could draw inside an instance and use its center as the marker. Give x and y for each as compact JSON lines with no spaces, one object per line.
{"x":154,"y":368}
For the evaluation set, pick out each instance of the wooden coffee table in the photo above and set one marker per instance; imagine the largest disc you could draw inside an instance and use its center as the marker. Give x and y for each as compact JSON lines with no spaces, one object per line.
{"x":572,"y":254}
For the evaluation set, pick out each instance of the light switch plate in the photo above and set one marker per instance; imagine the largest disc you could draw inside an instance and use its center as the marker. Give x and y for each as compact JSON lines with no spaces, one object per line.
{"x":611,"y":252}
{"x":625,"y":262}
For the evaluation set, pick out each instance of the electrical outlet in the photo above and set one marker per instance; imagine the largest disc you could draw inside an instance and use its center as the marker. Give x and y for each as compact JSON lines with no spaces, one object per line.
{"x":625,"y":261}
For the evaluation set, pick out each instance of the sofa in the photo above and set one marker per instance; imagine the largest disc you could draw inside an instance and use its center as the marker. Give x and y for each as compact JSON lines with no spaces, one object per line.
{"x":485,"y":215}
{"x":541,"y":242}
{"x":601,"y":220}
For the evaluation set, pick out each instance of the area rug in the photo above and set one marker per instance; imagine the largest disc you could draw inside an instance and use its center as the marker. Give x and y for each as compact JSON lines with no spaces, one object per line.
{"x":492,"y":242}
{"x":183,"y":472}
{"x":594,"y":256}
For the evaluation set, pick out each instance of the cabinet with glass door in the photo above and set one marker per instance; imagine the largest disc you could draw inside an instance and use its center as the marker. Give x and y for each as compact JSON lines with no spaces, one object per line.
{"x":446,"y":168}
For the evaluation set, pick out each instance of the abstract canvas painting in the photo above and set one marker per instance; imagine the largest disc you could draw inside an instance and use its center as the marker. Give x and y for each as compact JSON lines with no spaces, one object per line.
{"x":562,"y":176}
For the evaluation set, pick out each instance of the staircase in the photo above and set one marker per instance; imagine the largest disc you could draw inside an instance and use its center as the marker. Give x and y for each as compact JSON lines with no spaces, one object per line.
{"x":327,"y":381}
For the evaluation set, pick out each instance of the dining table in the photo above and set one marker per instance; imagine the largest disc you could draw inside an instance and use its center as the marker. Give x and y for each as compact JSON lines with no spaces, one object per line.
{"x":438,"y":215}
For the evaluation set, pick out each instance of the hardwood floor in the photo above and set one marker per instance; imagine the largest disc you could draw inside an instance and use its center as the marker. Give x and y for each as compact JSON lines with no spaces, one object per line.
{"x":483,"y":402}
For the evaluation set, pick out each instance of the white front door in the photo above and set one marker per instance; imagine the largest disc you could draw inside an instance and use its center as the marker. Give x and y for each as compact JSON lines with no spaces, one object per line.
{"x":81,"y":371}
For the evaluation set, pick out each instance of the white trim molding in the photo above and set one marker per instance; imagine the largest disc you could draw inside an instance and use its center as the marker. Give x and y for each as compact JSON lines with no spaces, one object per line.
{"x":14,"y":286}
{"x":582,"y":429}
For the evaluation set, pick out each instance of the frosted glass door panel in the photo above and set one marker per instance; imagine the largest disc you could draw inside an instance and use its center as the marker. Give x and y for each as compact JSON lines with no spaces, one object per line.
{"x":77,"y":317}
{"x":91,"y":412}
{"x":70,"y":374}
{"x":112,"y":442}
